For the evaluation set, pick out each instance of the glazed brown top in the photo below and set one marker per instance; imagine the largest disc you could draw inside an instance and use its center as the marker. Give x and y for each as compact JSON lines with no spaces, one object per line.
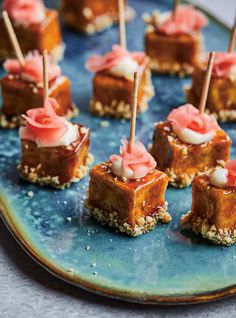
{"x":105,"y":168}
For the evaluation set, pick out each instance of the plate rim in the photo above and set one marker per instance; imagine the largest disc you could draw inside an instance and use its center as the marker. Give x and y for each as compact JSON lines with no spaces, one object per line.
{"x":109,"y":292}
{"x":114,"y":293}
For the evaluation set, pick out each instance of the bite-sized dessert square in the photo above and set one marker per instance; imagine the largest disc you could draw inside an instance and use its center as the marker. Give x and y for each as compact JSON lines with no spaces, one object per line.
{"x":132,"y":205}
{"x":113,"y":82}
{"x":88,"y":16}
{"x":184,"y":153}
{"x":174,"y":43}
{"x":213,"y":212}
{"x":54,"y":151}
{"x":36,"y":28}
{"x":22,"y":89}
{"x":221,"y":101}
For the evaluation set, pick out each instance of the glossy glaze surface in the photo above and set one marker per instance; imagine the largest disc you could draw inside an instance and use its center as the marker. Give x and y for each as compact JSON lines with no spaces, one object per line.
{"x":167,"y":265}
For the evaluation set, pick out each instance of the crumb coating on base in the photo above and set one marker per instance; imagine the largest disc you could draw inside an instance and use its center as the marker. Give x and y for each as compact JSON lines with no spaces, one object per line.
{"x":144,"y":224}
{"x":201,"y":226}
{"x":178,"y":69}
{"x":120,"y":108}
{"x":30,"y":174}
{"x":185,"y":179}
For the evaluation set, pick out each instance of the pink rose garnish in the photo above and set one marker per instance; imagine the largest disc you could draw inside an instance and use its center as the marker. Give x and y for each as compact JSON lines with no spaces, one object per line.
{"x":188,"y":116}
{"x":187,"y":20}
{"x":32,"y":71}
{"x":43,"y":124}
{"x":231,"y":166}
{"x":97,"y":63}
{"x":223,"y":63}
{"x":134,"y":163}
{"x":25,"y":12}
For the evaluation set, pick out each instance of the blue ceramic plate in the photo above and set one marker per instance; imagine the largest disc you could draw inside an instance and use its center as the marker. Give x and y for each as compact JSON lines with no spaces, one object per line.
{"x":167,"y":265}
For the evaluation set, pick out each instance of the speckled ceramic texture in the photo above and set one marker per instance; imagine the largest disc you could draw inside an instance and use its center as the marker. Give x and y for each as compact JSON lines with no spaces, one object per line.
{"x":167,"y":265}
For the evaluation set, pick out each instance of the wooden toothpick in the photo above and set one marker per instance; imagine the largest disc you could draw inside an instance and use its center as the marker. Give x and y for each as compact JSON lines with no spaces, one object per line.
{"x":174,"y":8}
{"x":45,"y":74}
{"x":232,"y":38}
{"x":13,"y":38}
{"x":122,"y":24}
{"x":206,"y":83}
{"x":133,"y":110}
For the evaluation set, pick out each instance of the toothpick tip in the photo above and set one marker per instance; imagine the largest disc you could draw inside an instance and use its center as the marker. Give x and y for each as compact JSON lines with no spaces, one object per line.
{"x":45,"y":53}
{"x":211,"y":58}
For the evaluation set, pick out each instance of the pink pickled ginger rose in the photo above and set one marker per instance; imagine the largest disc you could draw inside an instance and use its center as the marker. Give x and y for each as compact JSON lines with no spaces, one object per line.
{"x":188,"y":116}
{"x":187,"y":19}
{"x":134,"y":163}
{"x":231,"y":167}
{"x":97,"y":63}
{"x":223,"y":63}
{"x":43,"y":124}
{"x":32,"y":71}
{"x":25,"y":11}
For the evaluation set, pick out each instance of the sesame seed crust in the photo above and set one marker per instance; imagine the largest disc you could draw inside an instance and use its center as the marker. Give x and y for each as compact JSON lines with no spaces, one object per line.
{"x":170,"y":68}
{"x":97,"y":23}
{"x":201,"y":226}
{"x":120,"y":108}
{"x":182,"y":180}
{"x":144,"y":224}
{"x":31,"y":175}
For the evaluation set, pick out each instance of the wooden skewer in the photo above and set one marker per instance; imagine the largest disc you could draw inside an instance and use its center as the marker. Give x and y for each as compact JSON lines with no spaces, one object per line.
{"x":45,"y":74}
{"x":206,"y":83}
{"x":13,"y":38}
{"x":133,"y":111}
{"x":122,"y":24}
{"x":174,"y":8}
{"x":232,"y":38}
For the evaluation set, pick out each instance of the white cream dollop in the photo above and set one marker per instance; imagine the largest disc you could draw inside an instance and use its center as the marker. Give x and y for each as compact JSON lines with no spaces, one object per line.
{"x":126,"y":67}
{"x":120,"y":171}
{"x":232,"y":73}
{"x":219,"y":178}
{"x":162,"y":17}
{"x":192,"y":137}
{"x":68,"y":138}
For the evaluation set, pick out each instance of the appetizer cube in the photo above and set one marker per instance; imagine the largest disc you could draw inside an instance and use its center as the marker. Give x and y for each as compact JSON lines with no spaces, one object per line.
{"x":21,"y":92}
{"x":113,"y":82}
{"x":127,"y":192}
{"x":134,"y":207}
{"x":55,"y":166}
{"x":89,"y":16}
{"x":36,"y":29}
{"x":18,"y":95}
{"x":173,"y":44}
{"x":221,"y":101}
{"x":213,"y":212}
{"x":49,"y":158}
{"x":182,"y":160}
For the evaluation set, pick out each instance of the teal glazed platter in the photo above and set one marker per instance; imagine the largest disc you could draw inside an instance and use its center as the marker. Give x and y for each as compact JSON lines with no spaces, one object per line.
{"x":169,"y":265}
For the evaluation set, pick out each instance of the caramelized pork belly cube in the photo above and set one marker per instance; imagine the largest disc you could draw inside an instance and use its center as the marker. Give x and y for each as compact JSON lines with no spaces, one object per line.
{"x":43,"y":36}
{"x":182,"y":161}
{"x":221,"y":100}
{"x":133,"y":206}
{"x":173,"y":54}
{"x":89,"y":16}
{"x":18,"y":96}
{"x":112,"y":95}
{"x":213,"y":212}
{"x":55,"y":166}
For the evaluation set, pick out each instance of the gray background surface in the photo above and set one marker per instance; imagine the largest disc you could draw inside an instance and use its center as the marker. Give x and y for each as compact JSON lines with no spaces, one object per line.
{"x":27,"y":290}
